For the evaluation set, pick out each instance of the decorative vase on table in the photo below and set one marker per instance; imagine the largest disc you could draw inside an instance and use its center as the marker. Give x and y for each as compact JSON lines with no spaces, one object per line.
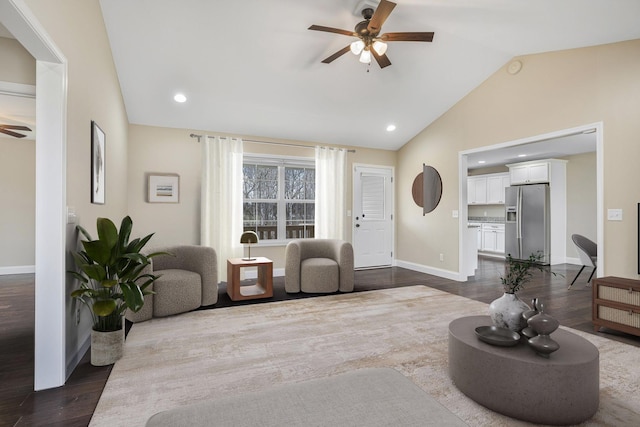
{"x":506,"y":312}
{"x":543,"y":325}
{"x":528,"y":330}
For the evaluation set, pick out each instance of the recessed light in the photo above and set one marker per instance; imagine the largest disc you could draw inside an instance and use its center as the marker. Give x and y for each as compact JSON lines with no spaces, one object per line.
{"x":391,"y":128}
{"x":522,"y":155}
{"x":179,"y":97}
{"x":482,"y":162}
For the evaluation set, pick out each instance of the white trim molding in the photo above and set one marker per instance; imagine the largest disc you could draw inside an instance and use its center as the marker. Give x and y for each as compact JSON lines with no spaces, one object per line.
{"x":446,"y":274}
{"x":17,"y":269}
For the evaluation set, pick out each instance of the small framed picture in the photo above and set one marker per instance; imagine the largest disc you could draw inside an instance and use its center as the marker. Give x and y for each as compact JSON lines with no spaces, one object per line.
{"x":163,"y":188}
{"x":98,"y":160}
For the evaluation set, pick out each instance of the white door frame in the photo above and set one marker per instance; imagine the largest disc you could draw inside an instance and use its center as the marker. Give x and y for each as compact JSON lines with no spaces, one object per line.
{"x":393,"y":195}
{"x":462,"y":189}
{"x":51,"y":164}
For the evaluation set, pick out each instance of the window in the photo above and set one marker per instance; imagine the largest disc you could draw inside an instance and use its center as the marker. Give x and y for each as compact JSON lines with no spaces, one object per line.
{"x":279,"y":197}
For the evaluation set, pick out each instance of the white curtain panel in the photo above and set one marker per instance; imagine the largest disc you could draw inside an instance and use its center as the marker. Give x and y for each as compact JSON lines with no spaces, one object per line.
{"x":221,"y":199}
{"x":331,"y":165}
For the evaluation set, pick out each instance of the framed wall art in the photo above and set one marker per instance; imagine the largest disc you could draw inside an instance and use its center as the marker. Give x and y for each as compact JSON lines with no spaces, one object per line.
{"x":98,"y":160}
{"x":163,"y":188}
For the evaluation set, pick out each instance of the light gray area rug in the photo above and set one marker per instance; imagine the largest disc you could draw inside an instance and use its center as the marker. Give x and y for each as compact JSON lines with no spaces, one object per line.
{"x":372,"y":397}
{"x":203,"y":355}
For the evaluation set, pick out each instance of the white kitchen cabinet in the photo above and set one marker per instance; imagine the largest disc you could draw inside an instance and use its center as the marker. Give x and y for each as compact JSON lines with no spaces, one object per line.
{"x":487,"y":189}
{"x":479,"y":238}
{"x":495,"y":188}
{"x":493,"y":237}
{"x":476,"y":190}
{"x":529,"y":173}
{"x":500,"y":243}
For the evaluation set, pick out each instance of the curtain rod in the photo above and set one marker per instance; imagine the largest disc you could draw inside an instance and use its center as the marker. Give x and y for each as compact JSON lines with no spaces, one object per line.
{"x":193,"y":135}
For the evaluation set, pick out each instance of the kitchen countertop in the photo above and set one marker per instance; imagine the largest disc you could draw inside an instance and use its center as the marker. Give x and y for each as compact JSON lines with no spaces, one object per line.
{"x":491,"y":219}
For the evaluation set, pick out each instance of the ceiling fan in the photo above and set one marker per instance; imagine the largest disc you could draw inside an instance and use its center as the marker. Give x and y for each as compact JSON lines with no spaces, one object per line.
{"x":5,"y":129}
{"x":370,"y":42}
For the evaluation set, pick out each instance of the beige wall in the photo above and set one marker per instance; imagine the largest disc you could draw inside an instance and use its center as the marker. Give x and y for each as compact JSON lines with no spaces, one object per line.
{"x":93,"y":93}
{"x":18,"y":189}
{"x":553,"y":91}
{"x":581,"y":199}
{"x":17,"y":169}
{"x":165,"y":150}
{"x":17,"y":65}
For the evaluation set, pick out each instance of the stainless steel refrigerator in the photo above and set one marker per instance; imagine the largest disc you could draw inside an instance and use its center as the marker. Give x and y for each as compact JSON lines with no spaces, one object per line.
{"x":527,"y":221}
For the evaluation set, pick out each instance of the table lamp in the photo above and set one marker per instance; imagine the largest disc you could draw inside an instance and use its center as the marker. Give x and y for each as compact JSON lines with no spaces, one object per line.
{"x":248,"y":238}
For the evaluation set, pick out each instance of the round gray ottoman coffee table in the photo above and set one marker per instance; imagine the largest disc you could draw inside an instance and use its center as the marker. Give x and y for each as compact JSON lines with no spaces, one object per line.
{"x":515,"y":381}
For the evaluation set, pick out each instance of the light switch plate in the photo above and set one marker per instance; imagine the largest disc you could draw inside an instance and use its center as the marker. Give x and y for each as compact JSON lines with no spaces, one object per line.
{"x":614,"y":214}
{"x":454,"y":214}
{"x":72,"y":217}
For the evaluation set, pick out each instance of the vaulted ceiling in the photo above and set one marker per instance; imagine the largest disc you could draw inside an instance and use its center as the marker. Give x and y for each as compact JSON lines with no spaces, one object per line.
{"x":251,"y":67}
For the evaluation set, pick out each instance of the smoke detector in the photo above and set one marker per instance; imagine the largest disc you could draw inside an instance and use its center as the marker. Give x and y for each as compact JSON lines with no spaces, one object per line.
{"x":364,"y":4}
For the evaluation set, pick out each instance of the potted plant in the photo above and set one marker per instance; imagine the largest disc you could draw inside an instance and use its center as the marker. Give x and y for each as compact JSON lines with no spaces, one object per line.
{"x":507,"y":310}
{"x":112,"y":279}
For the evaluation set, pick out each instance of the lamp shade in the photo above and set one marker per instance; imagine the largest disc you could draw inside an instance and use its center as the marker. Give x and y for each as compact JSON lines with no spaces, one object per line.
{"x":357,"y":46}
{"x":365,"y":57}
{"x":249,"y":237}
{"x":379,"y":47}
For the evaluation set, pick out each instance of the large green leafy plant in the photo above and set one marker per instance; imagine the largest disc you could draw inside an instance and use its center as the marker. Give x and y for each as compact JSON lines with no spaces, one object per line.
{"x":111,"y":273}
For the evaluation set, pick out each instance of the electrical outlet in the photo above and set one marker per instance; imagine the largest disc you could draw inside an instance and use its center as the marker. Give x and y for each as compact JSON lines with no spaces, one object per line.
{"x":441,"y":257}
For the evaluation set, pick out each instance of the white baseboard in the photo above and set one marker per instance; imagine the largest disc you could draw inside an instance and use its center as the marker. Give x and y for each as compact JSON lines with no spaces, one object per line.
{"x":451,"y":275}
{"x":574,"y":261}
{"x":75,"y":359}
{"x":18,"y":269}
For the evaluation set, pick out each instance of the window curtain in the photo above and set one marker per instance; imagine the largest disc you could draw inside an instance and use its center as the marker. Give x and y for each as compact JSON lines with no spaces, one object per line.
{"x":331,"y":165}
{"x":221,"y":199}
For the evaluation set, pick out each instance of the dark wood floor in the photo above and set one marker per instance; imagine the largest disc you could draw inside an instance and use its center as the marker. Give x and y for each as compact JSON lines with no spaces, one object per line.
{"x":74,"y":403}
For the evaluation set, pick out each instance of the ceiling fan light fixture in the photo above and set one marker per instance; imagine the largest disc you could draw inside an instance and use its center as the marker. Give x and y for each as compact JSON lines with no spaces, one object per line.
{"x":365,"y":57}
{"x":357,"y":47}
{"x":380,"y":47}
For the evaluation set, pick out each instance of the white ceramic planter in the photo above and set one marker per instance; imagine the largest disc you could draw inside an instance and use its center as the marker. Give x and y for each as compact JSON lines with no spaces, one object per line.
{"x":106,"y":347}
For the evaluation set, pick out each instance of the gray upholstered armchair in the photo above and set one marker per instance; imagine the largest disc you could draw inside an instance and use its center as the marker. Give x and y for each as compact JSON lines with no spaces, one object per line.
{"x":318,"y":266}
{"x":188,"y":279}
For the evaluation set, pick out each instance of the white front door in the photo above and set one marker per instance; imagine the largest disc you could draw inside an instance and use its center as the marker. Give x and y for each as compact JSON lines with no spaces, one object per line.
{"x":372,"y":216}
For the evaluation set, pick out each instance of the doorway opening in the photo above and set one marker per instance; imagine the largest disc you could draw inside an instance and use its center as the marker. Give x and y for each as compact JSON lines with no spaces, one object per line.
{"x":541,"y":146}
{"x":51,"y":106}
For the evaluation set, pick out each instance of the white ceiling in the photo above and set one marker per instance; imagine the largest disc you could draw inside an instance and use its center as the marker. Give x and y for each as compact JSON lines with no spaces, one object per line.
{"x":251,"y":67}
{"x":545,"y":149}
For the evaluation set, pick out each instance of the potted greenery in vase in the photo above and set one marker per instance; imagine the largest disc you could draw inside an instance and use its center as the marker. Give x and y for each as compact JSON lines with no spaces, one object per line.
{"x":112,"y":279}
{"x":506,"y":311}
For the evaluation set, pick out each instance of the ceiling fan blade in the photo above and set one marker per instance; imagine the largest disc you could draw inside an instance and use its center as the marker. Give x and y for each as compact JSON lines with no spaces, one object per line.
{"x":382,"y":60}
{"x":331,"y":30}
{"x":407,"y":37}
{"x":15,"y":127}
{"x":337,"y":55}
{"x":379,"y":16}
{"x":8,"y":132}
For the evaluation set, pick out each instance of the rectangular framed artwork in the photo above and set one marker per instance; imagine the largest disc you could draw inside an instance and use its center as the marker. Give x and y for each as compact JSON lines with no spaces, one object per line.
{"x":98,"y":157}
{"x":163,"y":188}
